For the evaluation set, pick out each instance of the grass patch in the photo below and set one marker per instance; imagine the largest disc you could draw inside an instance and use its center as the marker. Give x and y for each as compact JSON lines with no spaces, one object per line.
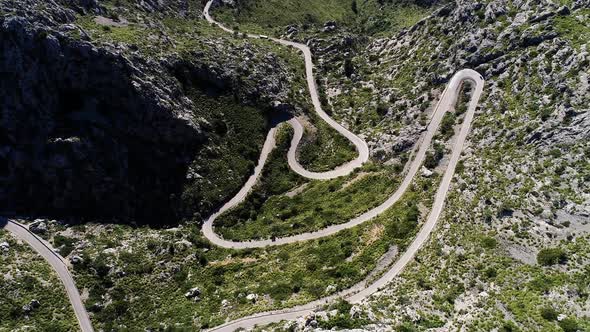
{"x":575,"y":27}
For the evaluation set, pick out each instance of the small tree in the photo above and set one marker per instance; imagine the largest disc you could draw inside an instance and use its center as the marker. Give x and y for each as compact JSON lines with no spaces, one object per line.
{"x":551,"y":256}
{"x":432,"y":159}
{"x":548,"y":313}
{"x":489,"y":242}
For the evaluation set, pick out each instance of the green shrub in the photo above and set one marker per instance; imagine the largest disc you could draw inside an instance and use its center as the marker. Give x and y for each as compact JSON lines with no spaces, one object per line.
{"x":382,"y":109}
{"x":431,"y":321}
{"x":508,"y":326}
{"x":491,"y":272}
{"x":342,"y":319}
{"x":406,"y":327}
{"x":548,"y":313}
{"x":446,"y":125}
{"x":280,"y":291}
{"x":432,"y":159}
{"x":489,"y":242}
{"x":65,"y":244}
{"x":569,"y":325}
{"x":551,"y":256}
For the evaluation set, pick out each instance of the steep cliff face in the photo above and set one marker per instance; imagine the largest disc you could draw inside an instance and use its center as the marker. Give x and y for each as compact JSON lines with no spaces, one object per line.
{"x":102,"y":131}
{"x":84,"y":132}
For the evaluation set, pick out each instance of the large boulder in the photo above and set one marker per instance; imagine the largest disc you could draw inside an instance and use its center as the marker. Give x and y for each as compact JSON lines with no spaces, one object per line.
{"x":39,"y":226}
{"x":4,"y":246}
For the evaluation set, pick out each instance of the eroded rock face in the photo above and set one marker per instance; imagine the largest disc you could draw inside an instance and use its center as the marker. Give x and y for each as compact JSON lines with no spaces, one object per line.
{"x":83,"y":131}
{"x":91,"y":130}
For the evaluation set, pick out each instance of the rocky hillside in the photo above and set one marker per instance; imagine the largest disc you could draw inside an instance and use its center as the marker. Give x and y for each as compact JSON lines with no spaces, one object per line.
{"x":141,"y":110}
{"x":512,"y":251}
{"x":95,"y":124}
{"x":536,"y":100}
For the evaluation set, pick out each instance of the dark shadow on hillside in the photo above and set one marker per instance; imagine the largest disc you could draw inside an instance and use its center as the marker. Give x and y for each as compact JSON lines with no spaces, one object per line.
{"x":86,"y":134}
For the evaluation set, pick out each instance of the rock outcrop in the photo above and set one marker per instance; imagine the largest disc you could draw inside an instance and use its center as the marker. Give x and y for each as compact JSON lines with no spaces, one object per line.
{"x":84,"y":132}
{"x":96,"y":130}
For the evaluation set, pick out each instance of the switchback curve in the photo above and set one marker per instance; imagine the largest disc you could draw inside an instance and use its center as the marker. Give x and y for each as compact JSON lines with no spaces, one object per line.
{"x":360,"y":291}
{"x":359,"y":143}
{"x":445,"y":104}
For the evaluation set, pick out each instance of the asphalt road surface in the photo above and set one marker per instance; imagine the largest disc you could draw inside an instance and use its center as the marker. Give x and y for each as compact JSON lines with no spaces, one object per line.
{"x":360,"y":291}
{"x":354,"y":294}
{"x":57,"y":263}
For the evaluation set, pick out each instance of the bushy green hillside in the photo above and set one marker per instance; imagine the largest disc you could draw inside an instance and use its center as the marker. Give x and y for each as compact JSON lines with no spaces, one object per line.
{"x":32,"y":294}
{"x":372,"y":16}
{"x":284,"y":203}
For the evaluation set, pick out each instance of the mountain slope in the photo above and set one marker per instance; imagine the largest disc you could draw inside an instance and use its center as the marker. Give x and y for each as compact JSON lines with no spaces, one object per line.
{"x":97,"y":125}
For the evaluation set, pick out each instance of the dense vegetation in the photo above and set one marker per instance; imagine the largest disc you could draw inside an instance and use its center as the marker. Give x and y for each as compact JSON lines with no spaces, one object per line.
{"x":368,"y":17}
{"x":236,"y":138}
{"x":270,"y":211}
{"x":27,"y":277}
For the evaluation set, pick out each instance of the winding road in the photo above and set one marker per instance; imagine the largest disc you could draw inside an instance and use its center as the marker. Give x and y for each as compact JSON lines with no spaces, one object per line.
{"x":445,"y":104}
{"x":357,"y":292}
{"x":57,"y":262}
{"x":360,"y":291}
{"x":359,"y":143}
